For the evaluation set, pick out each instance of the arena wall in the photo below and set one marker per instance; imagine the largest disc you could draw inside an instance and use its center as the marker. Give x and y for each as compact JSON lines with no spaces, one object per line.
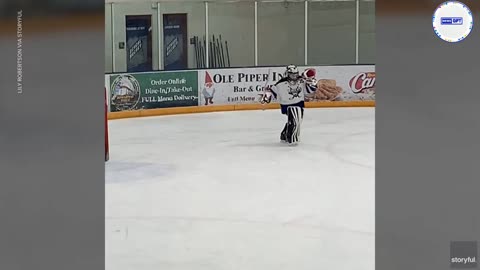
{"x":325,"y":33}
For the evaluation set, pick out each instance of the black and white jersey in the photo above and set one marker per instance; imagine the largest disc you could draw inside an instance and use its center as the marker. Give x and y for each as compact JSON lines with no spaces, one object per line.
{"x":289,"y":92}
{"x":292,"y":92}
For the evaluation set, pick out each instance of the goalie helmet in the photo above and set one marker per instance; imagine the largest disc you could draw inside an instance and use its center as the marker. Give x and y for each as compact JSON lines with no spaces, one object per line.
{"x":292,"y":72}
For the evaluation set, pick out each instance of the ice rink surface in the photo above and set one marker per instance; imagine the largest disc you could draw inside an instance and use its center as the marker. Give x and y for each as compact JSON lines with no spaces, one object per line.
{"x":218,"y":191}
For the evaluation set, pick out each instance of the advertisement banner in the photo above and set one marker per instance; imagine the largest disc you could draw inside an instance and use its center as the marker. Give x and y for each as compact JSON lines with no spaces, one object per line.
{"x":245,"y":85}
{"x":344,"y":83}
{"x":153,"y":90}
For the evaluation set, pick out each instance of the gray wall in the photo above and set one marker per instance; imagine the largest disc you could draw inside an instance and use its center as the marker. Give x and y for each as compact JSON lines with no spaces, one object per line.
{"x":367,"y":39}
{"x":108,"y":38}
{"x":281,"y":34}
{"x":331,"y":26}
{"x":236,"y":24}
{"x":331,"y":32}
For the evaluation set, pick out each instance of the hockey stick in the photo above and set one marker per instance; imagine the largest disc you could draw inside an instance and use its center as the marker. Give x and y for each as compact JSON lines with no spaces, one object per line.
{"x":204,"y":52}
{"x":197,"y":58}
{"x":221,"y":49}
{"x":214,"y":52}
{"x":228,"y":53}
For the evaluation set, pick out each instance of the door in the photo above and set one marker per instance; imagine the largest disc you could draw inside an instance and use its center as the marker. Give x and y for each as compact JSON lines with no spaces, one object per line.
{"x":175,"y":44}
{"x":139,"y":43}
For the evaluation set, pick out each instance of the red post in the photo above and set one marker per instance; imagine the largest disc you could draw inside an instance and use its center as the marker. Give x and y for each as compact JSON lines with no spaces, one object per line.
{"x":107,"y":155}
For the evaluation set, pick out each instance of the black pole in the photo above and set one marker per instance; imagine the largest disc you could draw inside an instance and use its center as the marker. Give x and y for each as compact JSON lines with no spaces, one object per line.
{"x":214,"y":54}
{"x":200,"y":52}
{"x":204,"y":52}
{"x":210,"y":56}
{"x":222,"y":59}
{"x":212,"y":50}
{"x":217,"y":55}
{"x":197,"y":59}
{"x":228,"y":53}
{"x":216,"y":51}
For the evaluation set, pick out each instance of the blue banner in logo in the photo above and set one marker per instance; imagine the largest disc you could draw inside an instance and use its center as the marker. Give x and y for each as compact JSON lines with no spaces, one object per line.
{"x":452,"y":20}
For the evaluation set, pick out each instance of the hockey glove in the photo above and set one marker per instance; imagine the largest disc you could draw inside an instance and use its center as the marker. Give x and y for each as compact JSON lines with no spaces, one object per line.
{"x":309,"y":74}
{"x":266,"y":97}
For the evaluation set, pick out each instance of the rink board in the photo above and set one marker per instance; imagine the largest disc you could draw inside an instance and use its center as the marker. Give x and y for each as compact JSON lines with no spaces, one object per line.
{"x":190,"y":91}
{"x":240,"y":107}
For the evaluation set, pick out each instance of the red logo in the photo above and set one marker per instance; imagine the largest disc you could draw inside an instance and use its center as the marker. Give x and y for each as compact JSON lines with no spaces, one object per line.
{"x":362,"y":82}
{"x":208,"y":80}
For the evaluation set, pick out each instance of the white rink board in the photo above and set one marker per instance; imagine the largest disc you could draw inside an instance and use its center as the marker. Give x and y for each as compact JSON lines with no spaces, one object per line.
{"x":244,"y":85}
{"x":218,"y":191}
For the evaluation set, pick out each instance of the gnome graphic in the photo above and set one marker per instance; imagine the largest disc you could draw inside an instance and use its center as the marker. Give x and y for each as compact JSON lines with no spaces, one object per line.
{"x":208,"y":90}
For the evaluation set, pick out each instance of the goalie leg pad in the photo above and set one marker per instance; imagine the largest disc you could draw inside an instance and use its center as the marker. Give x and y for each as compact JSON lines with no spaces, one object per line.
{"x":283,"y":135}
{"x":295,"y":115}
{"x":299,"y":125}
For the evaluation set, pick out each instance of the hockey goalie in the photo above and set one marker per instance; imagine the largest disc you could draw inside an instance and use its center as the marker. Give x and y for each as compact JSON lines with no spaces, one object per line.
{"x":290,"y":92}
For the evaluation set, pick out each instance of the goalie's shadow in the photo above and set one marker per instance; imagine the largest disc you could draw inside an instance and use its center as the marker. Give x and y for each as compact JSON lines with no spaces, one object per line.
{"x":265,"y":145}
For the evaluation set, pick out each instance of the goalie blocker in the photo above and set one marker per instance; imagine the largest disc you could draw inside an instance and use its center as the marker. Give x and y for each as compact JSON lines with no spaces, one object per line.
{"x":290,"y":92}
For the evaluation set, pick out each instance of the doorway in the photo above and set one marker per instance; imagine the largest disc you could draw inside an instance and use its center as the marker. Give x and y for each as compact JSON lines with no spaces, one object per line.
{"x":175,"y":46}
{"x":139,"y":43}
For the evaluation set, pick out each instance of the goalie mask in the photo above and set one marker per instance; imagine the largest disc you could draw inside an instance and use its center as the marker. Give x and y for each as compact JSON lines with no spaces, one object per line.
{"x":292,"y":72}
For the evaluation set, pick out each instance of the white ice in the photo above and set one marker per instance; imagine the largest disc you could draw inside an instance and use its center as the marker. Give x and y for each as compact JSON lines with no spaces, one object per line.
{"x":218,"y":191}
